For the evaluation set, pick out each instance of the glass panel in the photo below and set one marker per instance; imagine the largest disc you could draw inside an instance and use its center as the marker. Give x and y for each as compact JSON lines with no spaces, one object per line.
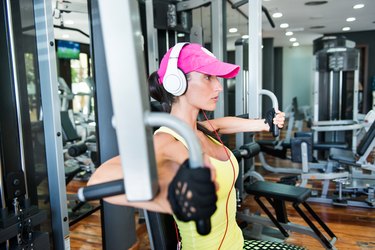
{"x":76,"y":85}
{"x":28,"y":92}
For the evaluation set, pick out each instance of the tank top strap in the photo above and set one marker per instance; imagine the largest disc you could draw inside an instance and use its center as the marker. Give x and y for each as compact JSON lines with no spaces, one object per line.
{"x":172,"y":133}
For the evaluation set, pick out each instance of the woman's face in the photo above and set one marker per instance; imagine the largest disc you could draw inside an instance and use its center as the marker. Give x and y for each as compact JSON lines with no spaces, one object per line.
{"x":203,"y":90}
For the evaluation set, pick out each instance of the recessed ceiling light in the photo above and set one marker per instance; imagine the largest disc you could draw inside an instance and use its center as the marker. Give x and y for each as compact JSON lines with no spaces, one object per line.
{"x":358,"y":6}
{"x":314,"y":3}
{"x":317,"y":27}
{"x":350,"y":19}
{"x":289,"y":33}
{"x":233,"y":30}
{"x":295,"y":44}
{"x":293,"y":39}
{"x":345,"y":28}
{"x":284,"y":25}
{"x":180,"y":35}
{"x":277,"y":15}
{"x":245,"y":36}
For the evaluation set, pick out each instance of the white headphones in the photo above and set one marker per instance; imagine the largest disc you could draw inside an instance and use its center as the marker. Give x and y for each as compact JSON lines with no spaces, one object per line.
{"x":174,"y":80}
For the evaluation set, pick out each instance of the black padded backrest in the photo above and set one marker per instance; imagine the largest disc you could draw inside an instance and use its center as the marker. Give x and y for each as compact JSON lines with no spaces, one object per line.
{"x":366,"y":141}
{"x":296,"y":151}
{"x":297,"y":115}
{"x":69,"y":132}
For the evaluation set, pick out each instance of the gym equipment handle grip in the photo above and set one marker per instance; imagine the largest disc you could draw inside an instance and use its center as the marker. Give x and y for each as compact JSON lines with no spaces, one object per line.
{"x":116,"y":187}
{"x":203,"y":226}
{"x":195,"y":151}
{"x":275,"y":131}
{"x":101,"y":190}
{"x":77,"y":149}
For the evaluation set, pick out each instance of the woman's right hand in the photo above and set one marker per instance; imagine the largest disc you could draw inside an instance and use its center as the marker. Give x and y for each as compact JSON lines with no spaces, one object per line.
{"x":192,"y":193}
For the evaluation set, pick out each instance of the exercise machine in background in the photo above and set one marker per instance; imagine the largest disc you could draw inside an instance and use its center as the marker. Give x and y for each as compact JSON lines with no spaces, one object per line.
{"x":336,"y":92}
{"x":250,"y":182}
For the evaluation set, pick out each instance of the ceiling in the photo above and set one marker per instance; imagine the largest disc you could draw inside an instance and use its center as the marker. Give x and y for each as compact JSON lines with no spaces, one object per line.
{"x":306,"y":22}
{"x":310,"y":22}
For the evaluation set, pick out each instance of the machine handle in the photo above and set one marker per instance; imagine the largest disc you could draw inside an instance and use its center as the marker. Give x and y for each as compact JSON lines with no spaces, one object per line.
{"x":203,"y":226}
{"x":275,"y":104}
{"x":116,"y":187}
{"x":275,"y":130}
{"x":195,"y":151}
{"x":101,"y":190}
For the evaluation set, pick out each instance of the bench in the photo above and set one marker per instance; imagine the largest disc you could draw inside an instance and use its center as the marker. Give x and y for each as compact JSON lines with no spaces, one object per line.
{"x":277,"y":194}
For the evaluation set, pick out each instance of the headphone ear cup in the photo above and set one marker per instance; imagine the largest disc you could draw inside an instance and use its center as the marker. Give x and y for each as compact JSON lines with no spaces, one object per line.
{"x":175,"y":82}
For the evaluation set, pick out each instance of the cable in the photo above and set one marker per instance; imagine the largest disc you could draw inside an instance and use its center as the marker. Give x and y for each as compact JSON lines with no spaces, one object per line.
{"x":177,"y":236}
{"x":233,"y":181}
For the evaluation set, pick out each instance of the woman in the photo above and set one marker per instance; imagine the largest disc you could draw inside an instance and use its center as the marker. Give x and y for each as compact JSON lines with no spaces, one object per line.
{"x":202,"y":193}
{"x":200,"y":93}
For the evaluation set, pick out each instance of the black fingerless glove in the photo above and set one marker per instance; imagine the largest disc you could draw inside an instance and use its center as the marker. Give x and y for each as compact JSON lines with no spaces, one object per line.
{"x":192,"y":194}
{"x":274,"y":129}
{"x":269,"y":119}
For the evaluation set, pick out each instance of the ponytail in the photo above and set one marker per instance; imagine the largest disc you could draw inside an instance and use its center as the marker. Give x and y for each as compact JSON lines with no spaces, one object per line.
{"x":158,"y":92}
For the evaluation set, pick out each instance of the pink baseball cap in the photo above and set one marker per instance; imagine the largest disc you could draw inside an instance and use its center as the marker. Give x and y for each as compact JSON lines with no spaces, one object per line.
{"x":194,"y":57}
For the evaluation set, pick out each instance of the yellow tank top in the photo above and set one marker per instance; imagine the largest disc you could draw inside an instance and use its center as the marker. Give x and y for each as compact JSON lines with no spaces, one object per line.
{"x":190,"y":239}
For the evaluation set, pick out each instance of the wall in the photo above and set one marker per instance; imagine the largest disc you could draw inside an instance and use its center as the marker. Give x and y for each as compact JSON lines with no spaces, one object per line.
{"x":298,"y":75}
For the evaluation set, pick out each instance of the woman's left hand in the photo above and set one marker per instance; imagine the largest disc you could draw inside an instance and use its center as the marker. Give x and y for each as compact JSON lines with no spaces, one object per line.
{"x":279,"y":119}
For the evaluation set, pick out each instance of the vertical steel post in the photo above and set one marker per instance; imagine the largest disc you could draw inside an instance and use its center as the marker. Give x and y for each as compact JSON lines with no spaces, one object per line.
{"x":130,"y":99}
{"x":217,"y":42}
{"x":255,"y":57}
{"x":52,"y":123}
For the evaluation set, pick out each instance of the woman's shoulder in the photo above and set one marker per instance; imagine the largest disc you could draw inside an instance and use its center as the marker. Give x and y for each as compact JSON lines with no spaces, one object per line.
{"x":166,"y":135}
{"x":163,"y":138}
{"x":168,"y":147}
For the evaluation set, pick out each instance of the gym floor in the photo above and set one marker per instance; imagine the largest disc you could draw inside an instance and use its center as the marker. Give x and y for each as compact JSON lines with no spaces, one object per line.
{"x":353,"y":226}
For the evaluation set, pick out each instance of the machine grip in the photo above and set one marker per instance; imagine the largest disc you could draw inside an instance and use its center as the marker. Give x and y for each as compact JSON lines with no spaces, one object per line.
{"x":276,"y":130}
{"x":77,"y":149}
{"x":101,"y":190}
{"x":203,"y":226}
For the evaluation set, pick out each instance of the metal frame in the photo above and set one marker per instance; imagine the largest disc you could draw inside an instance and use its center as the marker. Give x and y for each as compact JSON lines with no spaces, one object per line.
{"x":140,"y":178}
{"x":241,"y":87}
{"x":255,"y":57}
{"x":218,"y":25}
{"x":337,"y":125}
{"x":152,"y":38}
{"x":17,"y":95}
{"x":140,"y":171}
{"x":52,"y":123}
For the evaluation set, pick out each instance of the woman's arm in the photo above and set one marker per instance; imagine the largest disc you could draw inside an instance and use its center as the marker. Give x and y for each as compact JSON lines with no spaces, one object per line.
{"x":112,"y":170}
{"x":170,"y":155}
{"x":231,"y":124}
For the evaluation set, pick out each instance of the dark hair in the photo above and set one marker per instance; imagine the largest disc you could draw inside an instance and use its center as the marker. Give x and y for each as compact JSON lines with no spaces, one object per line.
{"x":158,"y":92}
{"x":166,"y":99}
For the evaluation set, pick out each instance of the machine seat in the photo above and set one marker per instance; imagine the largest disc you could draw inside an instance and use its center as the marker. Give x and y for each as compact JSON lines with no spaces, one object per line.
{"x":277,"y":194}
{"x":342,"y":155}
{"x":278,"y":191}
{"x":327,"y":146}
